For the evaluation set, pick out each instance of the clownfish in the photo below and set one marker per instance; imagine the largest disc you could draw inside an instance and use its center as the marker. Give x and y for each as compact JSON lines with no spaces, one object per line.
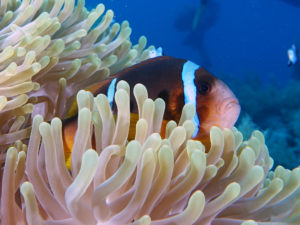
{"x":177,"y":82}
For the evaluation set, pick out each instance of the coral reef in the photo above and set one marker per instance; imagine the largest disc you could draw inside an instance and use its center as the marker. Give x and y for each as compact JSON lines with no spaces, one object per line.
{"x":50,"y":49}
{"x":273,"y":108}
{"x":174,"y":180}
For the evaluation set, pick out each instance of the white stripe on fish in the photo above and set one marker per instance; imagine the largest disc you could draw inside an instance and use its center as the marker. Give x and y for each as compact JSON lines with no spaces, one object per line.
{"x":190,"y":90}
{"x":111,"y":91}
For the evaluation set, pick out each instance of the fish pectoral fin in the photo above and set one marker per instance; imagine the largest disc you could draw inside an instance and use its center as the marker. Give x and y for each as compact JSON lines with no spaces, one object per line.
{"x":134,"y":117}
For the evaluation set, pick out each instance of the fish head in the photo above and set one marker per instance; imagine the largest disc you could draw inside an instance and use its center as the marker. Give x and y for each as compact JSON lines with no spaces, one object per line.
{"x":216,"y":105}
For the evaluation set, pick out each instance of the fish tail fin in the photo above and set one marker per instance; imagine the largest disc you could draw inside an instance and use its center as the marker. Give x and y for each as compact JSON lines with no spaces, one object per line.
{"x":93,"y":88}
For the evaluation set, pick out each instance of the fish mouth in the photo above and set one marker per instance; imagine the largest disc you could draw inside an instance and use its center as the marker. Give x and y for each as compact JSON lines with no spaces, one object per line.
{"x":228,"y":104}
{"x":233,"y":104}
{"x":228,"y":112}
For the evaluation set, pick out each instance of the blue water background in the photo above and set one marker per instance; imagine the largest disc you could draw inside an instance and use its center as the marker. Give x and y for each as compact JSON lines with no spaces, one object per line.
{"x":237,"y":37}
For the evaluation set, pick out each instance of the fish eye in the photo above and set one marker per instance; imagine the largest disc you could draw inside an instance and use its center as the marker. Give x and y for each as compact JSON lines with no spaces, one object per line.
{"x":203,"y":87}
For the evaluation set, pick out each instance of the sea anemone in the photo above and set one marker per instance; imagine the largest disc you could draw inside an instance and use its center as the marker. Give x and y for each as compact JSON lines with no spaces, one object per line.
{"x":49,"y":50}
{"x":148,"y":180}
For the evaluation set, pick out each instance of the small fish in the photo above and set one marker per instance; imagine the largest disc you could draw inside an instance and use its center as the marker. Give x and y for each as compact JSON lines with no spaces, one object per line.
{"x":155,"y":52}
{"x":177,"y":82}
{"x":292,"y":55}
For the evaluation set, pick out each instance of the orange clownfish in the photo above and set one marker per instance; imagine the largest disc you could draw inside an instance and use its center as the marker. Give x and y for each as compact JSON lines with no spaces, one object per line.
{"x":177,"y":82}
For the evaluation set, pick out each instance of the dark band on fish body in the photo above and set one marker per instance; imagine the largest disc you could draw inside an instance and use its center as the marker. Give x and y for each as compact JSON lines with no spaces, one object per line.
{"x":161,"y":76}
{"x":176,"y":81}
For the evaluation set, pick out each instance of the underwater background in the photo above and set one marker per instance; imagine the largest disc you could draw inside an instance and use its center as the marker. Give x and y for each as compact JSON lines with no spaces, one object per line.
{"x":245,"y":44}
